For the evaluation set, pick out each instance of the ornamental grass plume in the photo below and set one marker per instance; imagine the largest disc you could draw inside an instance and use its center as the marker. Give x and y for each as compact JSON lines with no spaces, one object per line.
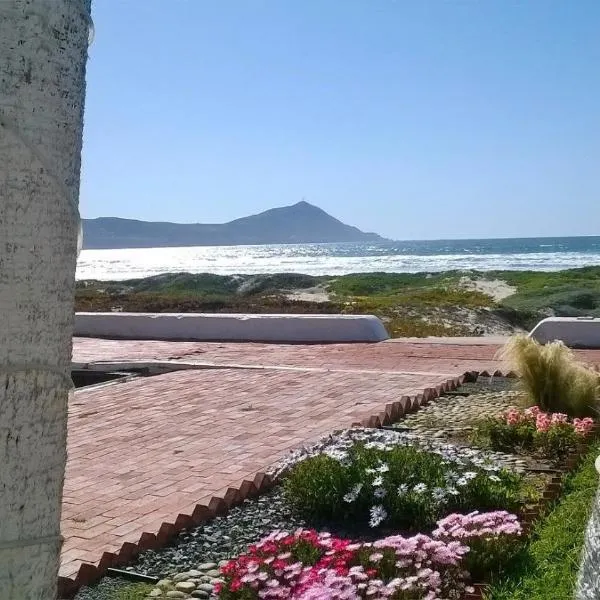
{"x":552,"y":377}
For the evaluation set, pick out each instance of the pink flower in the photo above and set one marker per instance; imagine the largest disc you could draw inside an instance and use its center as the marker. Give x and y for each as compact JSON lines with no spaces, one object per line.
{"x":476,"y":524}
{"x":583,"y":426}
{"x":426,"y":568}
{"x":531,"y":414}
{"x":513,"y":416}
{"x":558,"y":418}
{"x":542,"y":422}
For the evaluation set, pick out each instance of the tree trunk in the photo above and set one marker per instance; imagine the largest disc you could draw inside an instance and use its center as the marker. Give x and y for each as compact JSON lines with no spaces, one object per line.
{"x":588,"y":582}
{"x":43,"y":51}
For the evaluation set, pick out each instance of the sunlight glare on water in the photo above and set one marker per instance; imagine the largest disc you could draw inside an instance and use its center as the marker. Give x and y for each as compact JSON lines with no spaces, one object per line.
{"x":339,"y":259}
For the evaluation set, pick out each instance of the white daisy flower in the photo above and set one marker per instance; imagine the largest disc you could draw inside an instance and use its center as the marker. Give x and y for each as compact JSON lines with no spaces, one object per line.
{"x":378,"y":515}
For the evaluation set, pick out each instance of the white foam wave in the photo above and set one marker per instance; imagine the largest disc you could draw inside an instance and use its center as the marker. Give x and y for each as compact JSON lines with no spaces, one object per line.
{"x":311,"y":260}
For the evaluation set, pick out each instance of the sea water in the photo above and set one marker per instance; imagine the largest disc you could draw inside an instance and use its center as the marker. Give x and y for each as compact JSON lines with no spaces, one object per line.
{"x":540,"y":254}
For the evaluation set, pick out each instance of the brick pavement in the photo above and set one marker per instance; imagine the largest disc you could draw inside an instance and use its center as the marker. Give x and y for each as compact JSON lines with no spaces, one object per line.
{"x":143,"y":453}
{"x":442,"y":356}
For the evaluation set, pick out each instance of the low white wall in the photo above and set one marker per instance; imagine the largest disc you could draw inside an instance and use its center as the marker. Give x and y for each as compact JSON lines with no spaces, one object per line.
{"x":575,"y":332}
{"x":231,"y":327}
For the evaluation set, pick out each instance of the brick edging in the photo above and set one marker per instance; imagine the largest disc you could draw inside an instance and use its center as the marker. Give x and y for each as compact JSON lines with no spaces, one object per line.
{"x":89,"y":573}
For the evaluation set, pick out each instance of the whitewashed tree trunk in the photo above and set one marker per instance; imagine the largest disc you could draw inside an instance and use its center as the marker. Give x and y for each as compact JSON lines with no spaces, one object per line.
{"x":588,"y":583}
{"x":43,"y":52}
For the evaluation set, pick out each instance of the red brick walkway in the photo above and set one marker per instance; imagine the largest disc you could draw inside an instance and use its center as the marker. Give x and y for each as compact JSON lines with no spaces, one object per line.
{"x":388,"y":356}
{"x":143,"y":452}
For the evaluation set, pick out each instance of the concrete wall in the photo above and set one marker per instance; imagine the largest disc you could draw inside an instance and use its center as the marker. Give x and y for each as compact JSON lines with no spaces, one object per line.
{"x":231,"y":327}
{"x":575,"y":332}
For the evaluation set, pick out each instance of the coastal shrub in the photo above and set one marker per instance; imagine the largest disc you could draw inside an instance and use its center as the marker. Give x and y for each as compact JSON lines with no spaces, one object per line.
{"x":551,"y":434}
{"x":307,"y":565}
{"x":552,"y":378}
{"x":493,"y":538}
{"x":402,"y":486}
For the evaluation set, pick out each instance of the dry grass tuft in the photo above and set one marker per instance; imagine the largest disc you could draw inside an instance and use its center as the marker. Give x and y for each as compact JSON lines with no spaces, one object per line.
{"x":552,"y":377}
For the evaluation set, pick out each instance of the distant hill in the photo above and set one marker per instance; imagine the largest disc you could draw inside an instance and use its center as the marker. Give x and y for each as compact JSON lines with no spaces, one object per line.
{"x":301,"y":223}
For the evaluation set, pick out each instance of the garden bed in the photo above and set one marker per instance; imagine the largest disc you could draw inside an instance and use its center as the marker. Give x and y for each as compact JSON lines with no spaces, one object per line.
{"x":182,"y":563}
{"x":366,"y":485}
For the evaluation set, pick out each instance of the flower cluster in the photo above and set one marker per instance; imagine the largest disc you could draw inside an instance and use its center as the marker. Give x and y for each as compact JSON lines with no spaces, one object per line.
{"x":543,"y":421}
{"x":307,"y":565}
{"x":483,"y":525}
{"x":460,"y":468}
{"x":401,"y":485}
{"x":551,"y":434}
{"x":492,"y":538}
{"x":583,"y":426}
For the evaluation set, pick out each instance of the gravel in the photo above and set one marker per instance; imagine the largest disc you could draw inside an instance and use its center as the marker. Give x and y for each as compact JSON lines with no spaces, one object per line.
{"x":391,"y":436}
{"x":456,"y":415}
{"x":222,"y":538}
{"x":490,"y":384}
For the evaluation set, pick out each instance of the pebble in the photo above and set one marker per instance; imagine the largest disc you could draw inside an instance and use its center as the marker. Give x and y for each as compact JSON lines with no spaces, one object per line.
{"x":195,"y":572}
{"x":175,"y":594}
{"x":156,"y":593}
{"x":213,"y":573}
{"x":209,"y":566}
{"x":206,"y":587}
{"x":185,"y":586}
{"x":200,"y":594}
{"x":164,"y":584}
{"x":181,"y":577}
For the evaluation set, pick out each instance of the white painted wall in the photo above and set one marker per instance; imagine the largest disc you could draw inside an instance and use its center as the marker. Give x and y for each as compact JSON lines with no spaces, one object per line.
{"x":575,"y":332}
{"x":232,"y":327}
{"x":43,"y":49}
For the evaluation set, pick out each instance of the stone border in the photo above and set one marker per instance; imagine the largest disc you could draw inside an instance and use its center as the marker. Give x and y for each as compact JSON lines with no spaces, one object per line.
{"x":89,"y":573}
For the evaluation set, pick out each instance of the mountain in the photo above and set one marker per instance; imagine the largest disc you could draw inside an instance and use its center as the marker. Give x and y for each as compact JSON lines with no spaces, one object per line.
{"x":301,"y":223}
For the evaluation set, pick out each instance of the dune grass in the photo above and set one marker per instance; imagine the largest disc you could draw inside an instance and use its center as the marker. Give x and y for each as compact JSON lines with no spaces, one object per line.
{"x":547,"y":568}
{"x":552,"y":377}
{"x":572,"y":292}
{"x":411,"y":304}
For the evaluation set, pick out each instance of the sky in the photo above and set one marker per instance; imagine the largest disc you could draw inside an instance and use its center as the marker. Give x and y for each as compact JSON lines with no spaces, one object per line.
{"x":421,"y":119}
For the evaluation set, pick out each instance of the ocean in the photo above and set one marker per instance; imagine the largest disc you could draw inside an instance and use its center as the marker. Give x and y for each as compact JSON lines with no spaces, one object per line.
{"x":540,"y":254}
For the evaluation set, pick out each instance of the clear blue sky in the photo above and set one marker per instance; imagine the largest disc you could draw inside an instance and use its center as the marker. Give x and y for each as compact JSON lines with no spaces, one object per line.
{"x":416,"y":119}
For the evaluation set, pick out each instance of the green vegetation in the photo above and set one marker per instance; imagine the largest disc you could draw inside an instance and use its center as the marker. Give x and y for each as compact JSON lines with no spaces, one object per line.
{"x":569,"y":293}
{"x":405,"y":487}
{"x":368,"y":284}
{"x":551,"y":436}
{"x":552,"y":377}
{"x":133,"y":591}
{"x":548,"y":566}
{"x":418,"y":304}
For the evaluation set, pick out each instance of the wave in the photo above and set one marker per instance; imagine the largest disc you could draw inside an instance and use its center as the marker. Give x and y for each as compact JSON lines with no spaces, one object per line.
{"x":332,"y":259}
